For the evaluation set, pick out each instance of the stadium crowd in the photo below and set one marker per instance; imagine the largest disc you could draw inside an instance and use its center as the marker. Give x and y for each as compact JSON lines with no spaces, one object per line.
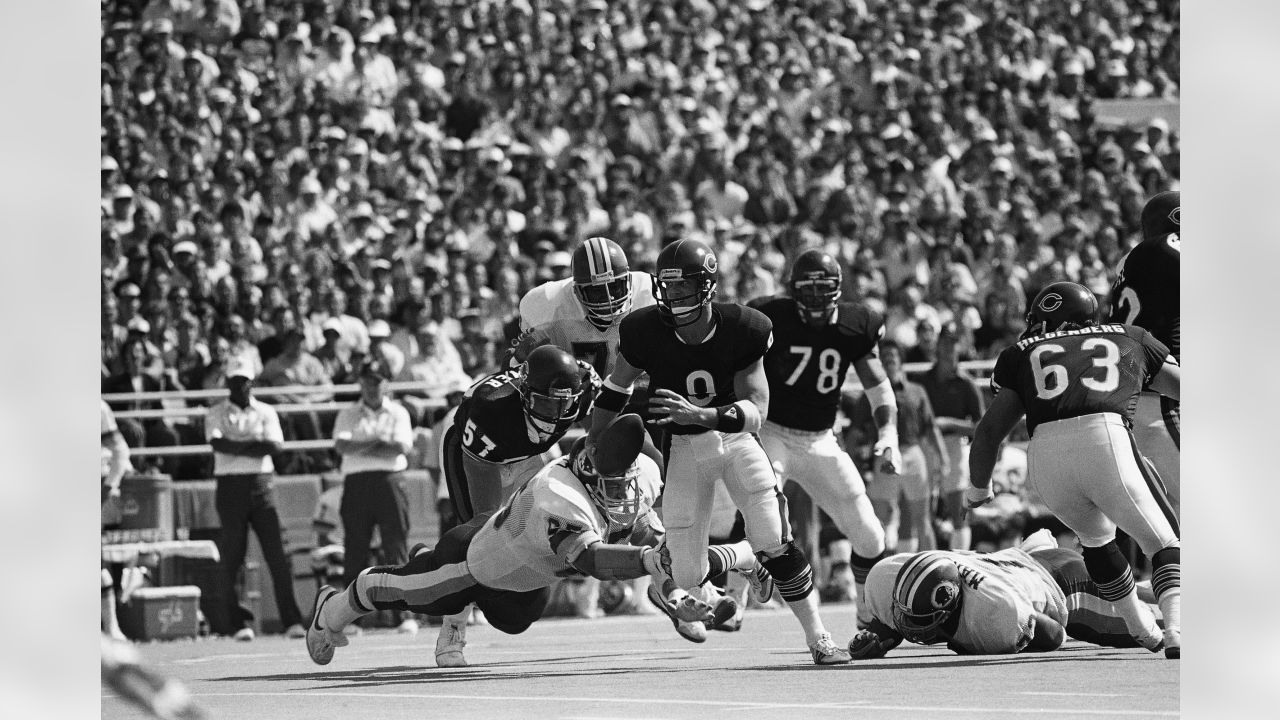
{"x":302,"y":184}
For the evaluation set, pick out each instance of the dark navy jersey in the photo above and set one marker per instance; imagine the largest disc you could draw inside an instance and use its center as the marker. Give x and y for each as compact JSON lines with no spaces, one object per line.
{"x":1069,"y":373}
{"x":491,"y":423}
{"x":703,"y":373}
{"x":807,"y":366}
{"x":1146,"y":291}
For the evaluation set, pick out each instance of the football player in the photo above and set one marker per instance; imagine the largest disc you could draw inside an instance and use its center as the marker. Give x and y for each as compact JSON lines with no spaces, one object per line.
{"x":816,"y":338}
{"x":1023,"y":599}
{"x":580,"y":514}
{"x":708,"y":388}
{"x":1146,"y":294}
{"x":581,"y":315}
{"x":1077,"y":382}
{"x":508,"y":427}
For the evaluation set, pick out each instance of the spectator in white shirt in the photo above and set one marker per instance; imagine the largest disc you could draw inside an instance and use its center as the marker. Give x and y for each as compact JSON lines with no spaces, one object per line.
{"x":374,"y":437}
{"x":245,"y":433}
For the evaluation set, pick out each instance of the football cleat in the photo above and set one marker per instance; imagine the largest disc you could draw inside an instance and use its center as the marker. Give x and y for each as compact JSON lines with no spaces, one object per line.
{"x":761,"y":584}
{"x":693,"y":631}
{"x":244,"y":634}
{"x":320,"y":641}
{"x":1038,"y":540}
{"x":726,"y":616}
{"x":1173,"y":644}
{"x":826,"y":652}
{"x":449,"y":644}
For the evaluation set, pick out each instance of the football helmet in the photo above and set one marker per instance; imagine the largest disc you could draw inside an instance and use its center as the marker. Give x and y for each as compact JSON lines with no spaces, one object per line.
{"x":926,"y":593}
{"x":612,"y":477}
{"x":685,"y":283}
{"x":815,"y":284}
{"x":1162,"y":215}
{"x":550,"y":386}
{"x":602,"y":280}
{"x":1061,"y":305}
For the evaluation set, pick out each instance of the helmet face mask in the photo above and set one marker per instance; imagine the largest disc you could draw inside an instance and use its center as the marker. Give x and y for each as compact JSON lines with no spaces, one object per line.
{"x":617,"y":496}
{"x":815,"y":285}
{"x":550,"y":387}
{"x":602,"y":281}
{"x":685,"y":283}
{"x":926,"y":594}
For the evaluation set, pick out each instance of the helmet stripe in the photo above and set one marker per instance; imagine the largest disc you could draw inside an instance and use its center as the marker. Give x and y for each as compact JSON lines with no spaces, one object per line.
{"x":914,"y":572}
{"x":598,"y":261}
{"x":606,"y":263}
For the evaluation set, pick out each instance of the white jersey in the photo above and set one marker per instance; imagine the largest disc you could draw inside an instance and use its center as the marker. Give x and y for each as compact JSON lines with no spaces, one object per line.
{"x":556,"y":300}
{"x":534,"y":538}
{"x":551,"y":314}
{"x":1002,"y":592}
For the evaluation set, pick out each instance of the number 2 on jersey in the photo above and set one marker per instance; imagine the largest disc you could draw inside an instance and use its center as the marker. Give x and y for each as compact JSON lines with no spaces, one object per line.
{"x":1051,"y":379}
{"x":828,"y":367}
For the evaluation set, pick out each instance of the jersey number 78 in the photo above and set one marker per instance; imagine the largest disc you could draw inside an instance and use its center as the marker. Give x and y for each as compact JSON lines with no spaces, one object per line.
{"x":828,"y":367}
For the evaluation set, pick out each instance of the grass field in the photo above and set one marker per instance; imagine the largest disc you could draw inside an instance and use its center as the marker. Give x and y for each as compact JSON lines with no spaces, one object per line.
{"x":637,"y":667}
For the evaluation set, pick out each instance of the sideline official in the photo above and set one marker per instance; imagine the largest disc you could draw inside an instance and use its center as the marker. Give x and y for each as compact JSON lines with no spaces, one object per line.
{"x":374,"y":437}
{"x":245,"y":433}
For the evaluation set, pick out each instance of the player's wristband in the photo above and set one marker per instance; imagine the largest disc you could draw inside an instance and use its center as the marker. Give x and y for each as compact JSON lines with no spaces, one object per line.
{"x":742,"y":416}
{"x":888,"y":437}
{"x":613,"y":397}
{"x":881,"y":396}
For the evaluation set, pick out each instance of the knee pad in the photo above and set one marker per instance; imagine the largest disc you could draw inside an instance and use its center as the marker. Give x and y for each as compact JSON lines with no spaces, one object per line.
{"x":1109,"y":570}
{"x":1166,"y":572}
{"x":790,"y":570}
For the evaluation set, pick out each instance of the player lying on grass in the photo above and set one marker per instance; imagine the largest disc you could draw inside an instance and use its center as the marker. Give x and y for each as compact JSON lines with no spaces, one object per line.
{"x":572,"y":518}
{"x":1024,"y":599}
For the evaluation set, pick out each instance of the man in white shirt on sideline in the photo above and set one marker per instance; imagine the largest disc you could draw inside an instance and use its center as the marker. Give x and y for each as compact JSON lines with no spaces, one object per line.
{"x":374,"y":437}
{"x":245,"y":433}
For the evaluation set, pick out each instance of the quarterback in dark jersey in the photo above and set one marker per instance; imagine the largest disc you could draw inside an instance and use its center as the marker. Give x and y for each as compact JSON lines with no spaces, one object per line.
{"x":707,"y":383}
{"x":1078,"y":382}
{"x":1146,"y":294}
{"x":816,"y":339}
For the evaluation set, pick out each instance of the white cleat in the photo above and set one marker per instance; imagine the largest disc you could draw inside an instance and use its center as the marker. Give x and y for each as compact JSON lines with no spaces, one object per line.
{"x":693,"y":631}
{"x":453,"y":637}
{"x":1039,"y":540}
{"x":826,"y":652}
{"x":321,"y":641}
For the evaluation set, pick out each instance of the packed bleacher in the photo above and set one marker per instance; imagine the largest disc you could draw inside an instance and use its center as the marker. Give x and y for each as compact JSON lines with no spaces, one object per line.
{"x":300,"y":185}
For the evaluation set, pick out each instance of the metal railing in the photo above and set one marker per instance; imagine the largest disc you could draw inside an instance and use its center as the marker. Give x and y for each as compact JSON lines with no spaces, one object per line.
{"x":978,"y":368}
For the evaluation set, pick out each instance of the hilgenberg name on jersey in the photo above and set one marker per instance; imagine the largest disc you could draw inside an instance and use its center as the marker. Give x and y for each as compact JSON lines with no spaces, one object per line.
{"x":806,"y":366}
{"x":1147,"y":293}
{"x":531,"y":541}
{"x":703,"y":373}
{"x":1069,"y":373}
{"x":491,"y":423}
